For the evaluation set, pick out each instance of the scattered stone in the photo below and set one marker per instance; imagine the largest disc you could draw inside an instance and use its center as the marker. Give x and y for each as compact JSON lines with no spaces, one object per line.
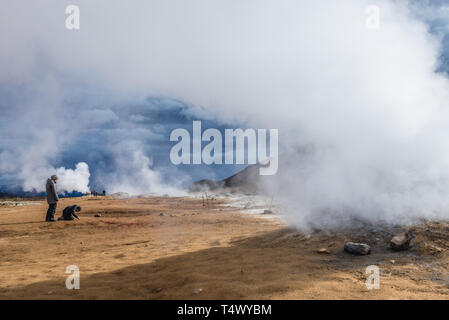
{"x":402,"y":241}
{"x":359,"y":249}
{"x":267,"y":212}
{"x":197,"y":291}
{"x":323,"y":250}
{"x":161,"y":214}
{"x":392,"y":261}
{"x":97,"y":215}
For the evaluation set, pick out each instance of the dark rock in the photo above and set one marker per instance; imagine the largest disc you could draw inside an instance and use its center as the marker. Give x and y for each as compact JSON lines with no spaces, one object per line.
{"x":267,"y":212}
{"x":97,"y":215}
{"x":359,"y":249}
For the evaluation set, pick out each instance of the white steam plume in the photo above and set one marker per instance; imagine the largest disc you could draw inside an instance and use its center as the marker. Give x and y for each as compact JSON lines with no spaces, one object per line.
{"x":362,"y":114}
{"x":134,"y":175}
{"x":69,"y":180}
{"x":74,"y":180}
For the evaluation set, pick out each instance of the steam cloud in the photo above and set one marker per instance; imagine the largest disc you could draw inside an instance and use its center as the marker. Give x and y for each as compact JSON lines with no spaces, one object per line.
{"x":362,"y":114}
{"x":69,"y":180}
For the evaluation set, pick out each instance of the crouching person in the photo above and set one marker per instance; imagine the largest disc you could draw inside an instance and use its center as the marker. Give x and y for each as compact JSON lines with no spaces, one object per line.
{"x":70,"y":212}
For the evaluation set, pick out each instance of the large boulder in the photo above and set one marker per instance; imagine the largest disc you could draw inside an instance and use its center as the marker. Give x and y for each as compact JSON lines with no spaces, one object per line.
{"x":359,"y":249}
{"x":402,"y":241}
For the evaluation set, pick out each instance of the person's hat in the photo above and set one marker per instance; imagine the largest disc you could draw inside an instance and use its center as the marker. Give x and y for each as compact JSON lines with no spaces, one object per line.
{"x":54,"y":177}
{"x":78,"y":208}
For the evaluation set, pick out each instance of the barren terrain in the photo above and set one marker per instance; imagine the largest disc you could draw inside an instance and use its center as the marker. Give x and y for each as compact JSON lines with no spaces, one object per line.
{"x":176,"y":248}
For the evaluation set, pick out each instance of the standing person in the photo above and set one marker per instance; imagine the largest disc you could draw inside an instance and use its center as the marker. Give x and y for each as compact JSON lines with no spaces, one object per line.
{"x":104,"y":193}
{"x":52,"y":198}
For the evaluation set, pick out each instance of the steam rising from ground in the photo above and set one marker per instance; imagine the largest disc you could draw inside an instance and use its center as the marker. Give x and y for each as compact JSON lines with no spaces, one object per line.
{"x":69,"y":180}
{"x":135,"y":176}
{"x":362,"y":115}
{"x":74,"y":180}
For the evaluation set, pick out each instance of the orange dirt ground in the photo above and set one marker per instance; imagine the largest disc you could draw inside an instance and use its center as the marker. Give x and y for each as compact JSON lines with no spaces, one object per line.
{"x":194,"y":252}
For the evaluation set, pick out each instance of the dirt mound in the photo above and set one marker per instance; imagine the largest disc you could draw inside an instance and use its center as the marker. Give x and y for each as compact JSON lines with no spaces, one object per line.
{"x":246,"y":181}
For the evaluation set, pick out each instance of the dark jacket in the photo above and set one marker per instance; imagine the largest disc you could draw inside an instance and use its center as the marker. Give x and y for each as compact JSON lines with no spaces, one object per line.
{"x":69,"y":212}
{"x":52,"y":195}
